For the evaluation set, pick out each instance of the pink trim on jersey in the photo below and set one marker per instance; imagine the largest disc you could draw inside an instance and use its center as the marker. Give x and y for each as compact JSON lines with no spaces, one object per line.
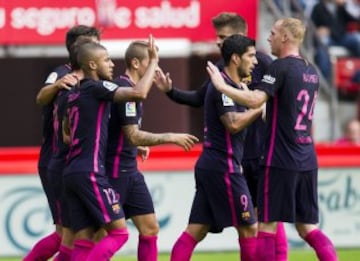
{"x":99,"y":198}
{"x":230,"y":198}
{"x":227,"y":178}
{"x":117,"y":157}
{"x":229,"y":152}
{"x":269,"y":157}
{"x":97,"y":136}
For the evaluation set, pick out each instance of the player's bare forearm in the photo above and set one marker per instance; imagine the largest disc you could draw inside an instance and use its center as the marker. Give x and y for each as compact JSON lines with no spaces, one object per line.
{"x":143,"y":138}
{"x":237,"y":121}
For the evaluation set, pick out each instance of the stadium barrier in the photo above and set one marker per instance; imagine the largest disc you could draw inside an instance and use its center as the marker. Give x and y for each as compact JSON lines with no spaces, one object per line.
{"x":24,"y":215}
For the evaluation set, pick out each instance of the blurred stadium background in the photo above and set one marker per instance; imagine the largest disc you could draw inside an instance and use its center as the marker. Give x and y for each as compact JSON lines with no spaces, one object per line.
{"x":32,"y":43}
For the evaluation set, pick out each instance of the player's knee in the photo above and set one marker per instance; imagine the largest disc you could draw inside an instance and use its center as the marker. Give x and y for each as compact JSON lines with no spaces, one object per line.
{"x":150,"y":229}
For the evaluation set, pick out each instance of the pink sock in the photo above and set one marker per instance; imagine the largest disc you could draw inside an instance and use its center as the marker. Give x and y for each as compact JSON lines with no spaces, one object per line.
{"x":64,"y":254}
{"x":183,"y":248}
{"x":248,"y":248}
{"x":45,"y":248}
{"x":265,"y":249}
{"x":281,"y":247}
{"x":108,"y":246}
{"x":81,"y":249}
{"x":147,"y":249}
{"x":322,"y":245}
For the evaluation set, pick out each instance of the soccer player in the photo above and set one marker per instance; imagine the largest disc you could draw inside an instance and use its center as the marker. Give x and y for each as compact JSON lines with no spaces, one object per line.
{"x":288,"y":183}
{"x":121,"y":164}
{"x":59,"y":80}
{"x":92,"y":201}
{"x":225,"y":25}
{"x":222,"y":197}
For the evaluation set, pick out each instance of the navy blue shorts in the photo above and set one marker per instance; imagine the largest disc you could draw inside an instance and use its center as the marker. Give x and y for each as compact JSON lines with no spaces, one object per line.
{"x":251,"y":170}
{"x":221,"y":200}
{"x":50,"y":195}
{"x":55,"y":184}
{"x":91,"y":199}
{"x":62,"y":208}
{"x":288,"y":196}
{"x":134,"y":194}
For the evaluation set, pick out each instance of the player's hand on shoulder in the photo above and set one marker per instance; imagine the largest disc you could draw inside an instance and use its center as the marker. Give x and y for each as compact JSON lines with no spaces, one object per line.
{"x":184,"y":140}
{"x":215,"y":76}
{"x":162,"y":81}
{"x":69,"y":80}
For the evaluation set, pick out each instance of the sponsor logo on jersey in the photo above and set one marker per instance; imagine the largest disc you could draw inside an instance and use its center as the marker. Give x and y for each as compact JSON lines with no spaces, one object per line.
{"x":268,"y":79}
{"x":51,"y":78}
{"x":227,"y":101}
{"x":130,"y":109}
{"x":110,"y":85}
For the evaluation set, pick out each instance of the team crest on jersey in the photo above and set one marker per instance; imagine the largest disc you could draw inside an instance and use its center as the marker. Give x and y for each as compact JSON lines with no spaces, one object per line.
{"x":130,"y":109}
{"x":227,"y":101}
{"x":109,"y":85}
{"x":51,"y":78}
{"x":268,"y":79}
{"x":116,"y":208}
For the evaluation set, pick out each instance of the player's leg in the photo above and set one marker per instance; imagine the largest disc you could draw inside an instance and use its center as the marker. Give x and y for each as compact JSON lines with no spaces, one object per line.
{"x":187,"y":241}
{"x":148,"y":228}
{"x":251,"y":170}
{"x":244,"y":216}
{"x":274,"y":186}
{"x":46,"y":247}
{"x":103,"y":204}
{"x":307,"y":212}
{"x":196,"y":230}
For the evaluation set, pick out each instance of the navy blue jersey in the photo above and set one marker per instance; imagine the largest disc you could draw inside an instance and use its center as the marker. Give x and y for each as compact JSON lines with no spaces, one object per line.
{"x":292,"y":84}
{"x":222,"y":150}
{"x":60,"y":149}
{"x":88,"y":112}
{"x":253,"y":147}
{"x":121,"y":155}
{"x":47,"y":120}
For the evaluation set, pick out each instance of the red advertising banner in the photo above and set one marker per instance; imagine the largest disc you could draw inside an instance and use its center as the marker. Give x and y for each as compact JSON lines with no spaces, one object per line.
{"x":46,"y":21}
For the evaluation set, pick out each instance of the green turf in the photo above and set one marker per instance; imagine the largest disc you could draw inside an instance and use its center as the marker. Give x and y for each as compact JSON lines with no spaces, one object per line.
{"x":295,"y":255}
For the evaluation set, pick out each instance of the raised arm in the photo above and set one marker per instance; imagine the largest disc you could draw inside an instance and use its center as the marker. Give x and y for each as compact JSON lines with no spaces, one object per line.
{"x":194,"y":98}
{"x":251,"y":99}
{"x":140,"y":91}
{"x":138,"y":137}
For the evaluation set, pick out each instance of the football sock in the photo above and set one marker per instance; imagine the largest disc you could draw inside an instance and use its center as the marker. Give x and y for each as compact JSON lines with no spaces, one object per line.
{"x":45,"y":248}
{"x":248,"y":248}
{"x":81,"y":249}
{"x":281,"y":247}
{"x":108,"y":246}
{"x":265,"y":249}
{"x":183,"y":248}
{"x":147,"y":248}
{"x":322,"y":245}
{"x":64,"y":254}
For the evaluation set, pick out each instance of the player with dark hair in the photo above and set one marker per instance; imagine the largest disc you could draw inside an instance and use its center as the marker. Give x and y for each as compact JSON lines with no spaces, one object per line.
{"x":222,"y":198}
{"x":225,"y":25}
{"x":124,"y":140}
{"x":288,"y":182}
{"x":61,"y":78}
{"x":92,"y":201}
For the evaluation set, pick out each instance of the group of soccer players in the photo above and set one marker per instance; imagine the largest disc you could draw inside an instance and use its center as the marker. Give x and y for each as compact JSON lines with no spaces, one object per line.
{"x":92,"y":137}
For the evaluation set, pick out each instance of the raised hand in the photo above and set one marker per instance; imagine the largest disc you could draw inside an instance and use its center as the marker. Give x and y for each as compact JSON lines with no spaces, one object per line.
{"x":162,"y":81}
{"x":153,"y":49}
{"x":215,"y":76}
